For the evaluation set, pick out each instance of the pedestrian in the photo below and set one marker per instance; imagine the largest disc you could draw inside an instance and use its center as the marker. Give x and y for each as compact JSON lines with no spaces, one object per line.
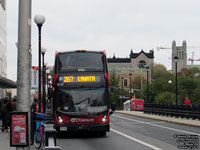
{"x":187,"y":101}
{"x":0,"y":110}
{"x":7,"y":115}
{"x":14,"y":105}
{"x":4,"y":115}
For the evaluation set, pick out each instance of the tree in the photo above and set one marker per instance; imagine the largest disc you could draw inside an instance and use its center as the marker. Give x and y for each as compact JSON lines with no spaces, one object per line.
{"x":137,"y":85}
{"x":186,"y":87}
{"x":114,"y":90}
{"x":160,"y":77}
{"x":164,"y":97}
{"x":159,"y":89}
{"x":196,"y":96}
{"x":160,"y":71}
{"x":190,"y":72}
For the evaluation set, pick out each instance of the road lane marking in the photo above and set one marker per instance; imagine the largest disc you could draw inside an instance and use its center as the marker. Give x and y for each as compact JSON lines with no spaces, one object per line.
{"x":136,"y":140}
{"x":157,"y":122}
{"x":156,"y":125}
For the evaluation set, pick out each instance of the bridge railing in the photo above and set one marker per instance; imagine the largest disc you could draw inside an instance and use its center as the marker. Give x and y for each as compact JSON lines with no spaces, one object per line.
{"x":173,"y":110}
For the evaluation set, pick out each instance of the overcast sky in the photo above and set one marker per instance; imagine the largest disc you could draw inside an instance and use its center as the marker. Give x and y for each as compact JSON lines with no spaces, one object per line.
{"x":116,"y":26}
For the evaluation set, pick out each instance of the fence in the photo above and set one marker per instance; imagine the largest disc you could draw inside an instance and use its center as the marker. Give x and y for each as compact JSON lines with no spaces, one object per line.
{"x":181,"y":110}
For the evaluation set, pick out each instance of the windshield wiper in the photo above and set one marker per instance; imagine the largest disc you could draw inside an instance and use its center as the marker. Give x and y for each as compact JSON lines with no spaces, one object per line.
{"x":83,"y":101}
{"x":93,"y":88}
{"x":73,"y":87}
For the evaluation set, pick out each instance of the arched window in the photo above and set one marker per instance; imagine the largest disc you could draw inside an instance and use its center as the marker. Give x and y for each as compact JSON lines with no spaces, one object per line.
{"x":125,"y":82}
{"x":142,"y":64}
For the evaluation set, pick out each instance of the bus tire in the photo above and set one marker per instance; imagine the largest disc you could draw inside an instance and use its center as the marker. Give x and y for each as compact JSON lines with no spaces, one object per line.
{"x":102,"y":133}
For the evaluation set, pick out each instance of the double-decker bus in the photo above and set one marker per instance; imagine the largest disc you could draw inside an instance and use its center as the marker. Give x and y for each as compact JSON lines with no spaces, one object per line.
{"x":80,"y":96}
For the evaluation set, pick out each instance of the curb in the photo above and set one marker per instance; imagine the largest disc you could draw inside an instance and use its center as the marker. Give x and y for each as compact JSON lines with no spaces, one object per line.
{"x":190,"y":122}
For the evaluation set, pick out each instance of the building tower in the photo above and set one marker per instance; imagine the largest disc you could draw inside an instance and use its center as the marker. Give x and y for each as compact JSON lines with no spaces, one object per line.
{"x":181,"y":52}
{"x":3,"y":43}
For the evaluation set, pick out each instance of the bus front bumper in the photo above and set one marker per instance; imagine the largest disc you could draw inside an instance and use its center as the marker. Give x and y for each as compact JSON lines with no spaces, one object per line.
{"x":83,"y":127}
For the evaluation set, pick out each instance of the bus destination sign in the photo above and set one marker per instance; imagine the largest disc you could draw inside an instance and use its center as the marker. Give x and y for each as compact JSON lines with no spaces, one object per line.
{"x":68,"y":79}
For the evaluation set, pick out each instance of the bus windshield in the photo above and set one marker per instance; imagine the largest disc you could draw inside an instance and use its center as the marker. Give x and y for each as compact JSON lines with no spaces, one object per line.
{"x":80,"y":62}
{"x":87,"y":100}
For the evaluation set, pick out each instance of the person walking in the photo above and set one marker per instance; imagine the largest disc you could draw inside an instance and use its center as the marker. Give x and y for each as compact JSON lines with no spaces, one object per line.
{"x":187,"y":101}
{"x":14,"y":105}
{"x":4,"y":115}
{"x":0,"y":109}
{"x":7,"y":115}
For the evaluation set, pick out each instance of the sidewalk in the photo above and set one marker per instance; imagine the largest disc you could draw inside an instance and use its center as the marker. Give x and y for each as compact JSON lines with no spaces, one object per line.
{"x":5,"y":141}
{"x":163,"y":118}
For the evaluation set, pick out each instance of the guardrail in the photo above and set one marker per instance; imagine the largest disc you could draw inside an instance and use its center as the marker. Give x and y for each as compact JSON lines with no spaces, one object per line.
{"x":172,"y":110}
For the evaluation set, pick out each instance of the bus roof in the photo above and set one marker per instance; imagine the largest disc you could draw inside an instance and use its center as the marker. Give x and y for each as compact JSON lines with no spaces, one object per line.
{"x":80,"y":51}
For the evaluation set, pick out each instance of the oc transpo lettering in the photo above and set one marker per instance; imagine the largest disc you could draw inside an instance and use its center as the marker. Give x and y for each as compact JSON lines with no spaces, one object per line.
{"x":75,"y":120}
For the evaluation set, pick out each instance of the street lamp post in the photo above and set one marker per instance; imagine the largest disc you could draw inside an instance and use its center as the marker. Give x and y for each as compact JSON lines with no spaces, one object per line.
{"x":49,"y":92}
{"x":39,"y":20}
{"x":176,"y":60}
{"x":130,"y":74}
{"x":147,"y":68}
{"x":47,"y":80}
{"x":47,"y":87}
{"x":122,"y":92}
{"x":170,"y":88}
{"x":43,"y":50}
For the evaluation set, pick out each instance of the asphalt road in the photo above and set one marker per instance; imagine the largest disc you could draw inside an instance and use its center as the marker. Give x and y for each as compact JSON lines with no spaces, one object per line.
{"x":134,"y":133}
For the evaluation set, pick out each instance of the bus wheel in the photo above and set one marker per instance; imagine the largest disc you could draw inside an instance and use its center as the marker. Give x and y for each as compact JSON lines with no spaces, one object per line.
{"x":102,"y":133}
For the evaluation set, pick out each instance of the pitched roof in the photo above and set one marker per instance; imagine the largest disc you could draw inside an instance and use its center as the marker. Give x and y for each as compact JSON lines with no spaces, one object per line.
{"x":149,"y":55}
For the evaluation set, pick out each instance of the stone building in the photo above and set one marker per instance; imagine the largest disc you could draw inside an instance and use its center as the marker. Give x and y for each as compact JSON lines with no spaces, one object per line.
{"x":4,"y":82}
{"x":3,"y":44}
{"x":127,"y":69}
{"x":181,"y":53}
{"x":3,"y":40}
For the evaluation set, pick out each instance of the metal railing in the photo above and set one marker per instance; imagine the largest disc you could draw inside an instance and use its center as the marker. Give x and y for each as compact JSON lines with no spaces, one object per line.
{"x":173,"y":110}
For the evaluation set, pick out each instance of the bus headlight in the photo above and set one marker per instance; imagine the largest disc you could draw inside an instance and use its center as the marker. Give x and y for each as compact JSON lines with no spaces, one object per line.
{"x":60,"y":119}
{"x":104,"y":118}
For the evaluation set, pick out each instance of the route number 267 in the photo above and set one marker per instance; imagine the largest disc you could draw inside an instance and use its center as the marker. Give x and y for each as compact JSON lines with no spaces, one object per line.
{"x":68,"y":79}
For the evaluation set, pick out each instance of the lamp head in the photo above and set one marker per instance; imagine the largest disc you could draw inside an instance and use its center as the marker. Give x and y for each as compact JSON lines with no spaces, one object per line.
{"x":43,"y":50}
{"x":49,"y":77}
{"x":48,"y":71}
{"x":175,"y":58}
{"x":39,"y":19}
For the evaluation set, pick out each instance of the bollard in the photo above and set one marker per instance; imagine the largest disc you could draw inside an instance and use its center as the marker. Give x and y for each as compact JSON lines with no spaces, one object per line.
{"x":36,"y":107}
{"x":50,"y":138}
{"x":42,"y":107}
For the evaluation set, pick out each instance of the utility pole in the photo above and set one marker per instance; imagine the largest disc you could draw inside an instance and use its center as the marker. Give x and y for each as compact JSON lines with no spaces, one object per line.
{"x":24,"y":61}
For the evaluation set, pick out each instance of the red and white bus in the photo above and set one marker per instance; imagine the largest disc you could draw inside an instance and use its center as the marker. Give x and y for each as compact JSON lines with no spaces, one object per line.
{"x":136,"y":104}
{"x":80,"y":96}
